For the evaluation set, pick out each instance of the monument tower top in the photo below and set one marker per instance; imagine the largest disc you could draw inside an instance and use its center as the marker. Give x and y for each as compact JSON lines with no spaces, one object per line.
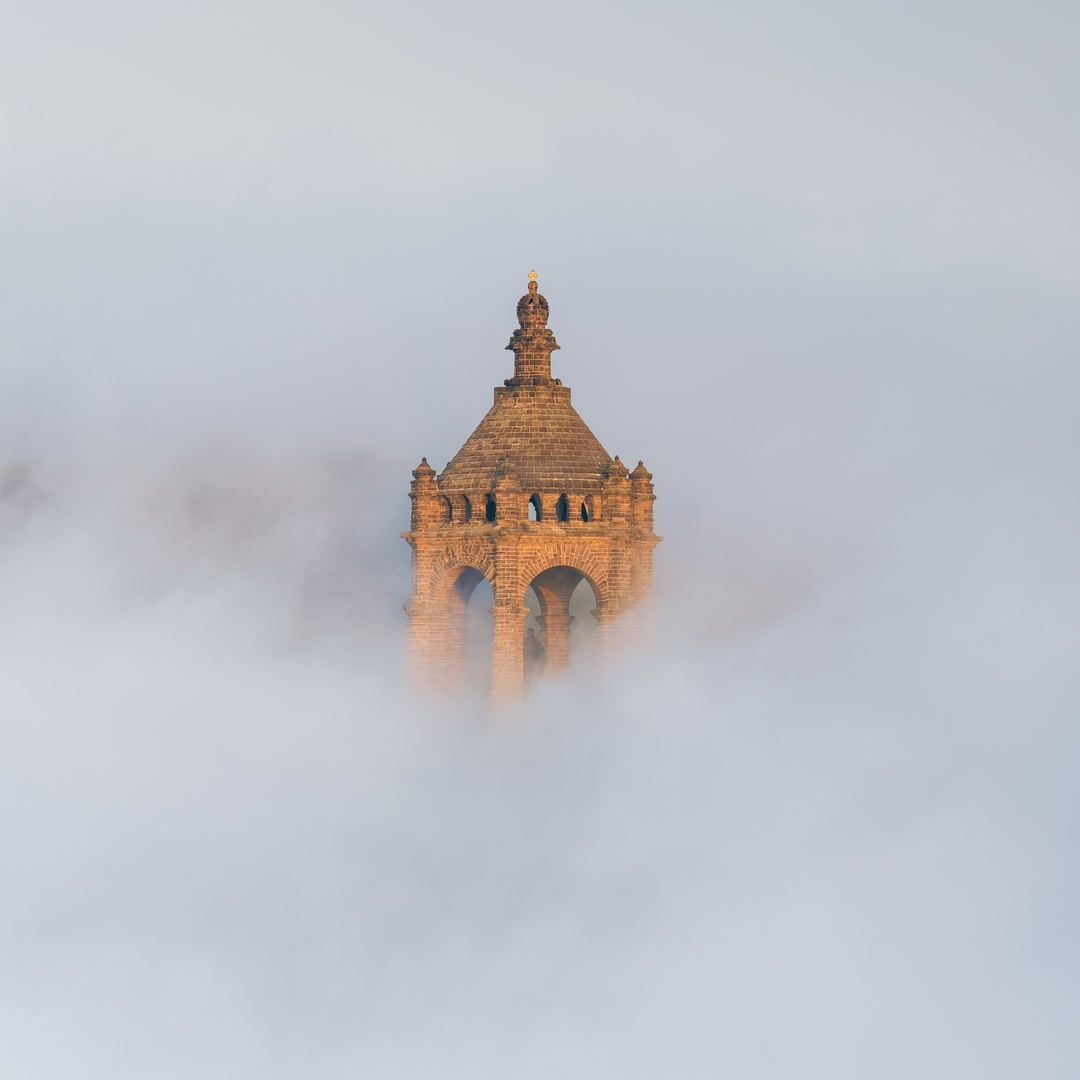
{"x":531,"y":499}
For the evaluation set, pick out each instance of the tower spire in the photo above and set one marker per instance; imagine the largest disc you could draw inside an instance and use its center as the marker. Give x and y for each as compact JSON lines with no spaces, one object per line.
{"x":532,"y":343}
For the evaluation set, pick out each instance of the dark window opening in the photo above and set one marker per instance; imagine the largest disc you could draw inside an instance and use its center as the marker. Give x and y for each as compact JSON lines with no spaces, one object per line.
{"x":562,"y":509}
{"x":584,"y":512}
{"x":468,"y":508}
{"x":534,"y":508}
{"x":491,"y":508}
{"x":448,"y":509}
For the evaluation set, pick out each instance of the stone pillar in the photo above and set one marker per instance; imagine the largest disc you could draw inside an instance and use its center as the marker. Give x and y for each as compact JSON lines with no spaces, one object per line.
{"x":424,"y":658}
{"x":437,"y":644}
{"x":609,"y":628}
{"x":509,"y":500}
{"x":618,"y":509}
{"x":556,"y":630}
{"x":641,"y":571}
{"x":508,"y":664}
{"x":509,"y":613}
{"x":553,"y":589}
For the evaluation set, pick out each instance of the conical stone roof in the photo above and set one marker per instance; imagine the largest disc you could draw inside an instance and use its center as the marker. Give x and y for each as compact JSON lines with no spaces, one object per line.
{"x":532,"y":424}
{"x":543,"y":437}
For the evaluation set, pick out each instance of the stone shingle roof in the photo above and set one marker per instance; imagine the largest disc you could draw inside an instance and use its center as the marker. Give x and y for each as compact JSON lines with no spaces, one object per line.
{"x":532,"y":425}
{"x":538,"y":431}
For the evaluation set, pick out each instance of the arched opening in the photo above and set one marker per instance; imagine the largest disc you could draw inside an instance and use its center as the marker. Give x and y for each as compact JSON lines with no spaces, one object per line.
{"x":583,"y":629}
{"x":479,"y":639}
{"x":561,"y":601}
{"x":584,"y":511}
{"x":448,"y":509}
{"x":535,"y":653}
{"x":458,"y":636}
{"x":490,"y":508}
{"x":562,"y":508}
{"x":534,"y":508}
{"x":468,"y":508}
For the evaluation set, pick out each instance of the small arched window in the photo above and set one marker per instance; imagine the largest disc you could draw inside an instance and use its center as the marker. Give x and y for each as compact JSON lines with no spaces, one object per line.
{"x":534,"y":508}
{"x":562,"y":509}
{"x":584,"y":511}
{"x":491,"y":508}
{"x":448,"y":509}
{"x":468,"y":508}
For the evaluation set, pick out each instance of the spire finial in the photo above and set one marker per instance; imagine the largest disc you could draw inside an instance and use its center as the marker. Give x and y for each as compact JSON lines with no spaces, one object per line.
{"x":533,"y":344}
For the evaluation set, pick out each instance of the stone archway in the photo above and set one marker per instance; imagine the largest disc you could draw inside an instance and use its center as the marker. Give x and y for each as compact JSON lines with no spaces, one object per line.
{"x":479,"y":634}
{"x":583,"y":638}
{"x":440,"y":619}
{"x":554,"y":588}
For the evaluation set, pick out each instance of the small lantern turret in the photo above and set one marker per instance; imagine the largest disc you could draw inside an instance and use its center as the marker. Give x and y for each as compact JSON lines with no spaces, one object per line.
{"x":532,"y":343}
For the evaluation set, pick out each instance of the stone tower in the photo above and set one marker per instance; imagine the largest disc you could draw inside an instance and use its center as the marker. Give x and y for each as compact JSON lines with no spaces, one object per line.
{"x":532,"y":498}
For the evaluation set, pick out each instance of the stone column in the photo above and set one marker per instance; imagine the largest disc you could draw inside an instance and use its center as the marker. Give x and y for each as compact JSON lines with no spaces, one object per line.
{"x":609,"y":631}
{"x":556,"y":631}
{"x":423,"y":657}
{"x":508,"y":665}
{"x":508,"y":662}
{"x":437,"y":644}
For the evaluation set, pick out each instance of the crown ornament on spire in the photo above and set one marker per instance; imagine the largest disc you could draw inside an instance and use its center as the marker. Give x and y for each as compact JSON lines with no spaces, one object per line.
{"x":532,"y":309}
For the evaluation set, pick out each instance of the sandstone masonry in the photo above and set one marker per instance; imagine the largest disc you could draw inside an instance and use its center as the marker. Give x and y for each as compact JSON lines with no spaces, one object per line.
{"x":531,"y":499}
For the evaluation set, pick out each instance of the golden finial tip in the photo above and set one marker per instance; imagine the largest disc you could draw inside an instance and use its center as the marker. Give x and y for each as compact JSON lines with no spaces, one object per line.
{"x":532,"y":275}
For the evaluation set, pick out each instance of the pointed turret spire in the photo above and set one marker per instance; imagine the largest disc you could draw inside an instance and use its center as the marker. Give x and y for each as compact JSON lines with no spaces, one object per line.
{"x":642,"y":497}
{"x":424,"y":492}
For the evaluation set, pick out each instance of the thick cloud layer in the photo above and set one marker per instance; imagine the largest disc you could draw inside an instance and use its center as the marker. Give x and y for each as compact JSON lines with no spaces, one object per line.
{"x":841,"y":843}
{"x":817,"y":268}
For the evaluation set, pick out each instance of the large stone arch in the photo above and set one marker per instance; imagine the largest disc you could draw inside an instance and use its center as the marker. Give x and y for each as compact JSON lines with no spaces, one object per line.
{"x":457,"y":558}
{"x":587,"y":563}
{"x":460,"y":578}
{"x":554,"y":586}
{"x":440,"y":624}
